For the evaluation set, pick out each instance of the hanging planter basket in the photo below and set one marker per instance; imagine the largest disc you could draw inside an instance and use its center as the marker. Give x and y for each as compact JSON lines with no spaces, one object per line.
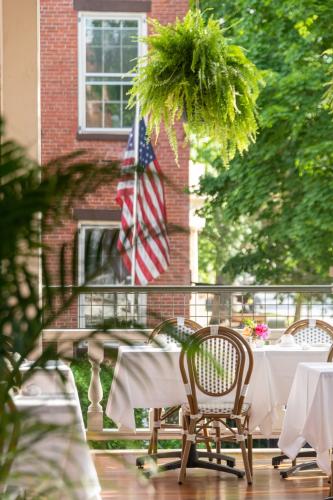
{"x":191,"y":72}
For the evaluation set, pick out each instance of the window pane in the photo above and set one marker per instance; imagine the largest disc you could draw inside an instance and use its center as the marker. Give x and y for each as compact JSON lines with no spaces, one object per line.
{"x":112,"y":92}
{"x":112,"y":116}
{"x":129,"y":37}
{"x":111,"y":24}
{"x":94,"y":114}
{"x":112,"y":60}
{"x":94,"y":37}
{"x":130,"y":24}
{"x":126,"y":89}
{"x":128,"y":116}
{"x":94,"y":92}
{"x":93,"y":23}
{"x":111,"y":37}
{"x":129,"y":58}
{"x":94,"y":59}
{"x":103,"y":262}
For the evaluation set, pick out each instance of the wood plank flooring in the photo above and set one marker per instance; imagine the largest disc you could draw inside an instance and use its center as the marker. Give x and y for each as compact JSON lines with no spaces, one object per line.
{"x":120,"y":480}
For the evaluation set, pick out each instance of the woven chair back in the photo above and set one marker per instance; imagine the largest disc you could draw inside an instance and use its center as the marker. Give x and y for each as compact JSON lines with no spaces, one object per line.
{"x":311,"y":331}
{"x":217,"y":361}
{"x":175,"y":329}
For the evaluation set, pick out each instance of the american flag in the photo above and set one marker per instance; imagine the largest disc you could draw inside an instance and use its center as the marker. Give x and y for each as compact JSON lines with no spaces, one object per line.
{"x":152,"y":255}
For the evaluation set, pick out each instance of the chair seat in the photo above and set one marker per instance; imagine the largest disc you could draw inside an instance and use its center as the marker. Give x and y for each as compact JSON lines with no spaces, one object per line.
{"x":224,"y":408}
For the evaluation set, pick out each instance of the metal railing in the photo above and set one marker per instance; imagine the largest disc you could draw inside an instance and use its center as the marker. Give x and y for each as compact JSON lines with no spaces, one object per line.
{"x":131,"y":307}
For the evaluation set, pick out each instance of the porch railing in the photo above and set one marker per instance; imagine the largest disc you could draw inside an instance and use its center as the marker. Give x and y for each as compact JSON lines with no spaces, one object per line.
{"x":276,"y":305}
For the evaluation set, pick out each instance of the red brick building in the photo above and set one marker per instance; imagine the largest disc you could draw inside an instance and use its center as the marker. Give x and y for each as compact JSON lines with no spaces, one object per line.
{"x":86,"y":48}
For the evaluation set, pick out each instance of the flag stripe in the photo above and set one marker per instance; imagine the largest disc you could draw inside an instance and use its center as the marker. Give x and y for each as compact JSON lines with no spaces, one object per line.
{"x":157,"y":232}
{"x":146,"y":243}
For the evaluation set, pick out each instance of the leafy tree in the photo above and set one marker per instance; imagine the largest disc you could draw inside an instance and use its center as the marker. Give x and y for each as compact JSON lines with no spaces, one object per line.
{"x":281,"y":191}
{"x":219,"y":241}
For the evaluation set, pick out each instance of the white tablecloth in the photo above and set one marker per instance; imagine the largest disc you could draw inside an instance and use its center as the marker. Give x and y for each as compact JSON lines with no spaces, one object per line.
{"x":272,"y":378}
{"x":309,"y":415}
{"x":61,"y":455}
{"x":148,"y":377}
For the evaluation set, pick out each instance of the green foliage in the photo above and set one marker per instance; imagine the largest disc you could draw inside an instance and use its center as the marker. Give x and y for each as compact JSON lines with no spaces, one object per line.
{"x":193,"y":72}
{"x":279,"y":196}
{"x":219,"y":241}
{"x":328,"y":97}
{"x":82,"y":374}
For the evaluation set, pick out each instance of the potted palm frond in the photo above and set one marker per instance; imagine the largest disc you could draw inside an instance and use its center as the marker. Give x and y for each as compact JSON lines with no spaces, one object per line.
{"x":192,"y":71}
{"x":25,"y":462}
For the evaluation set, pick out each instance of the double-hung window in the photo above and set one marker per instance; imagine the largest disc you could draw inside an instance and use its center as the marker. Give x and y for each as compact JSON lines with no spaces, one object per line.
{"x":100,"y":263}
{"x":109,"y":47}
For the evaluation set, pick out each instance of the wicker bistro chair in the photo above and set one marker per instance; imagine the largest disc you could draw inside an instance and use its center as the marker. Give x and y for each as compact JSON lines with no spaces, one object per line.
{"x":306,"y":331}
{"x":311,"y":331}
{"x":176,"y":330}
{"x":217,"y":362}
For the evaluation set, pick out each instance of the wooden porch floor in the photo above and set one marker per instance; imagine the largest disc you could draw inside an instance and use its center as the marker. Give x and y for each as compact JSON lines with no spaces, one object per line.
{"x":120,"y":480}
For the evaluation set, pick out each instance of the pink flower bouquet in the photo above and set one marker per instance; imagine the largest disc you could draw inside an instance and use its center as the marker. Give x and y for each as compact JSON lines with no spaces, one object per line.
{"x":255,"y":330}
{"x":261,"y":330}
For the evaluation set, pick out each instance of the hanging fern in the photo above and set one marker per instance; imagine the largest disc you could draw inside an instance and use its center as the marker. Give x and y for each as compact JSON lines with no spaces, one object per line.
{"x":192,"y":72}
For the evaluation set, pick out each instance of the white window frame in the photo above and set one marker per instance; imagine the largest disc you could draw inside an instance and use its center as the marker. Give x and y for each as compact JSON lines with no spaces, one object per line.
{"x":142,"y":49}
{"x":82,"y":226}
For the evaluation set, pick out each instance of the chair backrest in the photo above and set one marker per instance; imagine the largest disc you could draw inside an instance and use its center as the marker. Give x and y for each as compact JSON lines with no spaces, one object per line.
{"x":176,"y":329}
{"x":311,"y":331}
{"x":217,"y":360}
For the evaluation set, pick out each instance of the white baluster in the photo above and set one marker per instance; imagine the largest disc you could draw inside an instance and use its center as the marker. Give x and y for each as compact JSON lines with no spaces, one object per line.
{"x":95,"y":392}
{"x":151,"y":419}
{"x":180,"y":417}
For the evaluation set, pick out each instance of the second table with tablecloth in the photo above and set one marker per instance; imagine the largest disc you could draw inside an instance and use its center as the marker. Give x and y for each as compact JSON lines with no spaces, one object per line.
{"x":149,"y":377}
{"x":309,"y":413}
{"x":53,"y":449}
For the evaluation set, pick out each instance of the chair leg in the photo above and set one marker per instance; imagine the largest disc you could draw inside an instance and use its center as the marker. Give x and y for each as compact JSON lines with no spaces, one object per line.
{"x":151,"y":440}
{"x":244,"y":454}
{"x":207,"y":443}
{"x":154,"y":435}
{"x":331,"y":478}
{"x":250,"y":451}
{"x":150,"y":447}
{"x":218,"y":440}
{"x":186,"y":451}
{"x":185,"y":431}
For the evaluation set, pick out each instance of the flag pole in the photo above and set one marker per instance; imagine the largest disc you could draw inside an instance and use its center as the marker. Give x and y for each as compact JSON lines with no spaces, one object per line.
{"x":135,"y":193}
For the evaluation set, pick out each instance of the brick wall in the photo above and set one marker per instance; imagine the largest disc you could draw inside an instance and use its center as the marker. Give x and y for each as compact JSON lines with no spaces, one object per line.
{"x":59,"y":123}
